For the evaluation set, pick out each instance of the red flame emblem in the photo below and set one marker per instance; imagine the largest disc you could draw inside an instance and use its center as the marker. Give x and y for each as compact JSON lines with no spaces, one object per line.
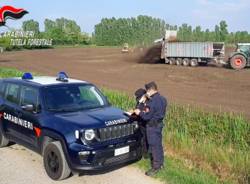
{"x":9,"y":12}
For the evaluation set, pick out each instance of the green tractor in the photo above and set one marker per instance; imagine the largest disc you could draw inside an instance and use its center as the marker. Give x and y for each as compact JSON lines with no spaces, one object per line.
{"x":241,"y":57}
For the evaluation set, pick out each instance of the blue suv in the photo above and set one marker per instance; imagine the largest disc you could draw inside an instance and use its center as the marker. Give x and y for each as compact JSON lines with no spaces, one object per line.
{"x":69,"y":122}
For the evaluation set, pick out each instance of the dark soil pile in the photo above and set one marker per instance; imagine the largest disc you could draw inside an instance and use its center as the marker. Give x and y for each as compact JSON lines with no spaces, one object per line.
{"x":151,"y":55}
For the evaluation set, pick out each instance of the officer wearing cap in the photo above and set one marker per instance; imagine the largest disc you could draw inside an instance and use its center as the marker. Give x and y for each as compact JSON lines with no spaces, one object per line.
{"x":157,"y":105}
{"x":140,"y":97}
{"x":141,"y":101}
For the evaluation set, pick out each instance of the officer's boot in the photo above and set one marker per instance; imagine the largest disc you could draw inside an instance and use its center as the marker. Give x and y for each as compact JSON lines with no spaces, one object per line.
{"x":152,"y":172}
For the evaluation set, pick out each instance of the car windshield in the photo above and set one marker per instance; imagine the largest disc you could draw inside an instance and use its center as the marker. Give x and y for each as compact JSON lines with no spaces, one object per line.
{"x":74,"y":97}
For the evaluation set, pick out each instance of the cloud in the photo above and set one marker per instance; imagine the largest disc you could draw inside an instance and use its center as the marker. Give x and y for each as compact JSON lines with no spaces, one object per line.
{"x":213,"y":11}
{"x":221,"y":6}
{"x":211,"y":8}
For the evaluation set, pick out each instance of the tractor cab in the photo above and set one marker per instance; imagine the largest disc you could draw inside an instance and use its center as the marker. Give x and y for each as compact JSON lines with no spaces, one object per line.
{"x":244,"y":48}
{"x":125,"y":48}
{"x":241,"y":57}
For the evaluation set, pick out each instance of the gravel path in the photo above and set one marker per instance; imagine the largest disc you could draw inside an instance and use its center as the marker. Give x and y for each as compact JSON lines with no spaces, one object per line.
{"x":19,"y":165}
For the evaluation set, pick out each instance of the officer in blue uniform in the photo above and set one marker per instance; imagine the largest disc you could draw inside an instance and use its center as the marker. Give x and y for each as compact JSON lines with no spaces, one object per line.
{"x":141,"y":103}
{"x":157,"y":105}
{"x":140,"y":97}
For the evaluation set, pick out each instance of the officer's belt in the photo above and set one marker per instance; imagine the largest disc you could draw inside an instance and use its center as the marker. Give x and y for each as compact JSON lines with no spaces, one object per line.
{"x":154,"y":122}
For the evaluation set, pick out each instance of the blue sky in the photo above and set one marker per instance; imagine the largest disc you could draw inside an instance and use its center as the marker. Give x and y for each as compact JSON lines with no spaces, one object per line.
{"x":87,"y":13}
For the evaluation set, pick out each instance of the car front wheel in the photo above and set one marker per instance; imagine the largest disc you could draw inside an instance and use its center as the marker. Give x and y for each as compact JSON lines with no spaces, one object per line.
{"x":54,"y":161}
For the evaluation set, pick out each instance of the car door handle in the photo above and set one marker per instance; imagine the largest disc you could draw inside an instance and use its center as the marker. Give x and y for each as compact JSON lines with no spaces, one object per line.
{"x":18,"y":113}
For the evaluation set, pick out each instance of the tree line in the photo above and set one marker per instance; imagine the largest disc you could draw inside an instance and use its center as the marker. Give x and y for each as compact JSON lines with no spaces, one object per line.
{"x":137,"y":31}
{"x":219,"y":34}
{"x":143,"y":30}
{"x":63,"y":31}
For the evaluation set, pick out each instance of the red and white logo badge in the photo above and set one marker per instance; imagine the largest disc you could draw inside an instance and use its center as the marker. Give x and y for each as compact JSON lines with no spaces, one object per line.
{"x":9,"y":12}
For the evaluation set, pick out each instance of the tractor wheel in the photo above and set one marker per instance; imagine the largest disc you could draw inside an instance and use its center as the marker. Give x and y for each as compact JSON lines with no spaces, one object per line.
{"x":238,"y":62}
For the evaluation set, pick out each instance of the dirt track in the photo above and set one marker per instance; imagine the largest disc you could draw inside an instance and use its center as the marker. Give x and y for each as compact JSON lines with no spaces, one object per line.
{"x":212,"y":88}
{"x":21,"y":166}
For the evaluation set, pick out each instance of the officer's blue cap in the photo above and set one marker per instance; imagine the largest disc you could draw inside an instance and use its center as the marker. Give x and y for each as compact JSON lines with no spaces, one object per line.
{"x":140,"y":92}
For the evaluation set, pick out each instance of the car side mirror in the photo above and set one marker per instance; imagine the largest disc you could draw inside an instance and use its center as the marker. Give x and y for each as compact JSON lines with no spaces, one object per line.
{"x":28,"y":107}
{"x":107,"y":100}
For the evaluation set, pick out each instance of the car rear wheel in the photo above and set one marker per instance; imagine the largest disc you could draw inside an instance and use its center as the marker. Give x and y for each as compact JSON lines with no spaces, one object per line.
{"x":238,"y":62}
{"x":54,"y":161}
{"x":3,"y":140}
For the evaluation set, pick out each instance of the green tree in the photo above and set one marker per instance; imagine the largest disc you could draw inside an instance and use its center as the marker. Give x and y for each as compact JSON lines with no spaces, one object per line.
{"x":223,"y":30}
{"x":217,"y":33}
{"x":142,"y":30}
{"x":31,"y":25}
{"x":49,"y":25}
{"x":197,"y":34}
{"x":185,"y":33}
{"x":207,"y":35}
{"x":64,"y":31}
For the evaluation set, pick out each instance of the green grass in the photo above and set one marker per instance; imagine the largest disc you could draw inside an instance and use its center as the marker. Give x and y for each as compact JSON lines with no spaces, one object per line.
{"x":205,"y":147}
{"x":177,"y":172}
{"x":201,"y":147}
{"x":9,"y":72}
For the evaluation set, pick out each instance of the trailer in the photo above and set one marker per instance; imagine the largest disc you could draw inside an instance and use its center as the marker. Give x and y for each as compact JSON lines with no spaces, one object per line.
{"x":192,"y":53}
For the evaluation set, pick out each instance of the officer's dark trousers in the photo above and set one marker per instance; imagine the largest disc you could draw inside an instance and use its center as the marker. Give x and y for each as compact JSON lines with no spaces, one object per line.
{"x":154,"y":137}
{"x":144,"y":140}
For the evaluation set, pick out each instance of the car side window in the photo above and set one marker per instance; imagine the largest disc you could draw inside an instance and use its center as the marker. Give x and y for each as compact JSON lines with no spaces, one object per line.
{"x":29,"y":96}
{"x":11,"y":94}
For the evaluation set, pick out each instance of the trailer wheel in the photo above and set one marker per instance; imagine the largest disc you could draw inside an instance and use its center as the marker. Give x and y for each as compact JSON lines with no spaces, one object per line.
{"x":179,"y":61}
{"x":194,"y":62}
{"x":238,"y":62}
{"x":172,"y":61}
{"x":186,"y":62}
